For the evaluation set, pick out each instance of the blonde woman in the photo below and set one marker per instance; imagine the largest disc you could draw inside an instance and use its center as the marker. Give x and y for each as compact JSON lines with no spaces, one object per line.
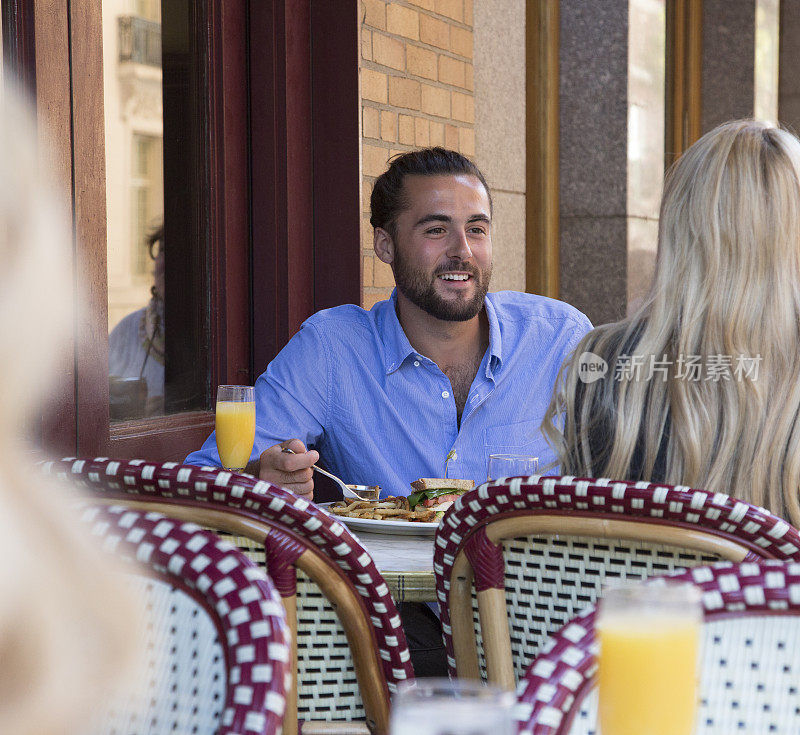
{"x":703,"y":382}
{"x":66,"y":627}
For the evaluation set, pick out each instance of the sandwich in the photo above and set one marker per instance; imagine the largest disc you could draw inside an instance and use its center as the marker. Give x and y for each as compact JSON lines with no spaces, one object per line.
{"x":437,"y":493}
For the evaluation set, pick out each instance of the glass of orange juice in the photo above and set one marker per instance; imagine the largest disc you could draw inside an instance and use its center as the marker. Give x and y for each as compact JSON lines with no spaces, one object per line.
{"x":235,"y":425}
{"x":648,"y":661}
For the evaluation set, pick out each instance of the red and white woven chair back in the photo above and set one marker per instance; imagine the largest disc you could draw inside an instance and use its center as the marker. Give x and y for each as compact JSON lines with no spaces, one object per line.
{"x":549,"y":575}
{"x":327,"y":684}
{"x":750,"y":670}
{"x":217,"y":645}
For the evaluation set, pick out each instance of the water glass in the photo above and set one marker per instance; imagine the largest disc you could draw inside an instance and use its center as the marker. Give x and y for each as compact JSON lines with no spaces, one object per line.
{"x":451,"y":707}
{"x":511,"y":465}
{"x":235,"y":425}
{"x":648,"y":661}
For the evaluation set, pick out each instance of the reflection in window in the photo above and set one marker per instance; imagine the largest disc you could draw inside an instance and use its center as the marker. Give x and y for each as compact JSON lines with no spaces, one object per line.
{"x":134,"y":205}
{"x":147,"y":202}
{"x":136,"y":348}
{"x":765,"y":82}
{"x":148,"y":9}
{"x":156,"y":102}
{"x":646,"y":94}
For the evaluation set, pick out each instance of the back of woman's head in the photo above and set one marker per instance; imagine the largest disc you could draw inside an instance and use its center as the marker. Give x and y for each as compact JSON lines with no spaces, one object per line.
{"x":729,"y":238}
{"x":725,"y":296}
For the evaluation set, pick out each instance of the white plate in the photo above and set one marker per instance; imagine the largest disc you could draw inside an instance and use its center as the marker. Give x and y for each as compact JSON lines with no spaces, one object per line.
{"x":402,"y":528}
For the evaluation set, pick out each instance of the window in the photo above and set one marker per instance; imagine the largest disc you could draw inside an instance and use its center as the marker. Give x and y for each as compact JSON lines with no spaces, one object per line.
{"x":147,"y":202}
{"x":157,"y":246}
{"x":765,"y":82}
{"x":646,"y":99}
{"x":160,"y":315}
{"x":133,"y":123}
{"x":233,"y":213}
{"x":148,"y":9}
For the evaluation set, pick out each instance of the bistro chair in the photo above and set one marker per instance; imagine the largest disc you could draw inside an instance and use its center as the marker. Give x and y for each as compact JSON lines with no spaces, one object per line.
{"x":750,"y":661}
{"x":516,"y":559}
{"x":216,"y":641}
{"x":349,"y":646}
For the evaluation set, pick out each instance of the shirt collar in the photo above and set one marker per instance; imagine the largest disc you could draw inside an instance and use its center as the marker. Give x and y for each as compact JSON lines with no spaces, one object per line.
{"x":397,"y":348}
{"x":396,"y":345}
{"x":495,"y":338}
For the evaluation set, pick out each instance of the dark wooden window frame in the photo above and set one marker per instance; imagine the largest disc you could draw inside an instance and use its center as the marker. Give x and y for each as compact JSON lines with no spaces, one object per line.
{"x":283,"y":126}
{"x":684,"y":49}
{"x":542,"y":148}
{"x":305,"y":160}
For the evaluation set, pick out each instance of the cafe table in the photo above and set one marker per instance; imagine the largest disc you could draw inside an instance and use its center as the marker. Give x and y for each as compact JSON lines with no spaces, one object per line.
{"x":405,"y":561}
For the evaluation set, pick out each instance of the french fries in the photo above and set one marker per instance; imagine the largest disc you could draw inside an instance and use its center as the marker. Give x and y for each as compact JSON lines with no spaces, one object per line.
{"x":389,"y":509}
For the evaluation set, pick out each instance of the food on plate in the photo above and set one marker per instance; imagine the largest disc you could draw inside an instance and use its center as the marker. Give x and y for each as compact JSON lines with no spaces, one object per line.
{"x":437,"y":493}
{"x":432,"y":496}
{"x":388,"y":509}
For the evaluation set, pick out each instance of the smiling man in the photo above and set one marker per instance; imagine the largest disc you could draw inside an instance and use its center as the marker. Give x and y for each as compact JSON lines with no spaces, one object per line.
{"x":428,"y":383}
{"x":443,"y":372}
{"x":440,"y":250}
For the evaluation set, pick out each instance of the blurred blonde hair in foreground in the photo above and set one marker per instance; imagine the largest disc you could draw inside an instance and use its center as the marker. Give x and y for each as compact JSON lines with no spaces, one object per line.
{"x":66,"y":626}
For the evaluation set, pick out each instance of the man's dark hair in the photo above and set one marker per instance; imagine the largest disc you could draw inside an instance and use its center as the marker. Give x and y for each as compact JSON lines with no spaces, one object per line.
{"x":388,"y":198}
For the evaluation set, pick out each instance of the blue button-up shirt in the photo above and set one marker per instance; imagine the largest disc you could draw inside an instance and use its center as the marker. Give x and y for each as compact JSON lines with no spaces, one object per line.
{"x":379,"y":413}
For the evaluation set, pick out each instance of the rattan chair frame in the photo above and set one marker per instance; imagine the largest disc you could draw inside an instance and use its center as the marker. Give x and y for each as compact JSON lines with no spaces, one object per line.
{"x":296,"y":535}
{"x":558,"y":681}
{"x":468,"y":550}
{"x":235,"y":594}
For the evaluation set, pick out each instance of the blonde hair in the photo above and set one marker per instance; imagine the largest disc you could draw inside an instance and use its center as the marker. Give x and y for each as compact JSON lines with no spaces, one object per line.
{"x":65,"y":621}
{"x":727,"y":283}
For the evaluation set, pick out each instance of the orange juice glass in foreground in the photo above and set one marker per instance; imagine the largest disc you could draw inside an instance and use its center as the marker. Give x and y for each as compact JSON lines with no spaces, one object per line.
{"x":648,"y":662}
{"x":235,"y":425}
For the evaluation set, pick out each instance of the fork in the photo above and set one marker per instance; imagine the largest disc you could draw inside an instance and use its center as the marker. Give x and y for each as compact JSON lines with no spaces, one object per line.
{"x":347,"y":490}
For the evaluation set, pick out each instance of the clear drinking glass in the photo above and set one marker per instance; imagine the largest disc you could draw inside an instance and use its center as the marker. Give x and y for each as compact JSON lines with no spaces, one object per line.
{"x":511,"y":465}
{"x":451,"y":707}
{"x":235,"y":425}
{"x":648,"y":663}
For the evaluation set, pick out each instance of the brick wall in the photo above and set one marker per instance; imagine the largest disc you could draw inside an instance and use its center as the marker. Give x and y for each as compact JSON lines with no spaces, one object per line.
{"x":416,"y":91}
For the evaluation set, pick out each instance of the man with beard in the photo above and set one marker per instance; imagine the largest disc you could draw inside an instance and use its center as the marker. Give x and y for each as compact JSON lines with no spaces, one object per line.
{"x":442,"y":373}
{"x":427,"y":383}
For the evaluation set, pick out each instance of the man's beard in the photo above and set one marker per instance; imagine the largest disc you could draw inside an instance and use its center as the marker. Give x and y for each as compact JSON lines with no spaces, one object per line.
{"x":420,"y":289}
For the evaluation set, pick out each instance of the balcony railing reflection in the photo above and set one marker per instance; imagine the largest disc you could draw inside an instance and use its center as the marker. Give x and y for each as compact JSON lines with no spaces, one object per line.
{"x":139,"y":40}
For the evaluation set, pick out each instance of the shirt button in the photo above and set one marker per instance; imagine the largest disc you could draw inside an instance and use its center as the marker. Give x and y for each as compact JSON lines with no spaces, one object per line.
{"x":454,"y":455}
{"x":416,"y":363}
{"x":445,"y":394}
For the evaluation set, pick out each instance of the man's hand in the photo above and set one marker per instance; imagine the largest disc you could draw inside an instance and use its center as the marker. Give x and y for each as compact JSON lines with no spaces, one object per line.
{"x":290,"y":471}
